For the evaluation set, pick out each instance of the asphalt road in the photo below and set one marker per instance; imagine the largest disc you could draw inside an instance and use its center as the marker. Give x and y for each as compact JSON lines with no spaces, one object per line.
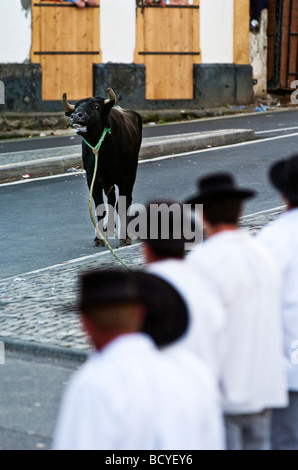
{"x":31,"y":388}
{"x":46,"y":221}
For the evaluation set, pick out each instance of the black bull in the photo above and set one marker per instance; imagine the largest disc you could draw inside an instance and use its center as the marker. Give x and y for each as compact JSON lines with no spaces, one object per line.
{"x":118,"y":154}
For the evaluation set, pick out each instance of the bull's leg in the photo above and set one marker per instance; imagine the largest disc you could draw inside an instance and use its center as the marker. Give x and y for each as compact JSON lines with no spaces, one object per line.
{"x":125,"y":200}
{"x":97,"y":192}
{"x":101,"y":214}
{"x":111,"y":212}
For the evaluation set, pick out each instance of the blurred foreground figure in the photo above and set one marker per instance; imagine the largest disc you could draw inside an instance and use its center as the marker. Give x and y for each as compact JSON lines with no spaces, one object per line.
{"x":248,"y":282}
{"x":165,"y":258}
{"x":128,"y":395}
{"x":281,"y":237}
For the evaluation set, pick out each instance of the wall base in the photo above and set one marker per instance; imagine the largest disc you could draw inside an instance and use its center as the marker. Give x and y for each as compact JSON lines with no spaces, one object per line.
{"x":214,"y":85}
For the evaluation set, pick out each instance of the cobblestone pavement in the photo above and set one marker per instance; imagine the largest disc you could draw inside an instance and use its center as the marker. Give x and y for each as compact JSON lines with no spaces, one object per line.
{"x":36,"y":307}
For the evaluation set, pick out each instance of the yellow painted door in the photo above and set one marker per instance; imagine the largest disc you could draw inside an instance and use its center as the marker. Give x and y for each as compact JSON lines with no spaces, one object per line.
{"x":65,"y":41}
{"x":168,"y":44}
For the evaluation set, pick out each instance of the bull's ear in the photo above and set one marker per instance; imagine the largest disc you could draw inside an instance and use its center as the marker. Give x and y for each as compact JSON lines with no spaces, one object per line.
{"x":68,"y":113}
{"x":107,"y":108}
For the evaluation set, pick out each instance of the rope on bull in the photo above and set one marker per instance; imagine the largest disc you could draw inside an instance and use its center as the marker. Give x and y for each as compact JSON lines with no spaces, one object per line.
{"x":95,"y":151}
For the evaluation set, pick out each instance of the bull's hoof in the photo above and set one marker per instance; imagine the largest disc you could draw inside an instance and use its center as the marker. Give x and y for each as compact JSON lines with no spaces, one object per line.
{"x":99,"y":242}
{"x":127,"y":241}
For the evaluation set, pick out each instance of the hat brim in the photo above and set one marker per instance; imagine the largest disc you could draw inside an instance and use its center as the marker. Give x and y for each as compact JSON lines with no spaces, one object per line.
{"x":99,"y":287}
{"x":106,"y":286}
{"x":240,"y":194}
{"x":279,"y":178}
{"x":166,"y":318}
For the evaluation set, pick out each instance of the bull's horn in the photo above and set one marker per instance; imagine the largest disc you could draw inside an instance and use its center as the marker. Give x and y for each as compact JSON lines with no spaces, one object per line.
{"x":112,"y":96}
{"x":66,"y":106}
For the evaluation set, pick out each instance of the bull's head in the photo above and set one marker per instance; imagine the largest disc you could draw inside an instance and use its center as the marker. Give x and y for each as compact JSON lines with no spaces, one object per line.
{"x":90,"y":114}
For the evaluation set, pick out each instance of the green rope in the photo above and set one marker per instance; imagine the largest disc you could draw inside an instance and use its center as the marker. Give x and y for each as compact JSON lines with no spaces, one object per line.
{"x":98,"y":145}
{"x":95,"y":150}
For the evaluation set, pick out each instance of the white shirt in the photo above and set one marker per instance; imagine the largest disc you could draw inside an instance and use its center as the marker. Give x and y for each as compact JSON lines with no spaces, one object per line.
{"x":249,"y":284}
{"x":281,"y":237}
{"x":206,"y":313}
{"x":130,"y":396}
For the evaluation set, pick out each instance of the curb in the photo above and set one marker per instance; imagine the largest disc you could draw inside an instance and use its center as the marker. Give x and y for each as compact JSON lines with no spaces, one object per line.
{"x":152,"y":147}
{"x":53,"y":352}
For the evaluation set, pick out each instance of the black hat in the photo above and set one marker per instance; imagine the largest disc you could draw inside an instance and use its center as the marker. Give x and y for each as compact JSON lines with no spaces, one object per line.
{"x":99,"y":287}
{"x":284,"y":176}
{"x":164,"y":232}
{"x":218,"y":185}
{"x":166,"y":316}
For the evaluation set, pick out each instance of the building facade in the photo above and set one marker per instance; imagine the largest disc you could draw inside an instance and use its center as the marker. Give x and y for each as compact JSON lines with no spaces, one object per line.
{"x":192,"y":56}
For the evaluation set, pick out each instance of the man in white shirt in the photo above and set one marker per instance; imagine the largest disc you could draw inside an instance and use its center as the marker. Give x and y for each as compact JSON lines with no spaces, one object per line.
{"x":128,"y":395}
{"x":164,"y":252}
{"x":248,"y":282}
{"x":281,"y":237}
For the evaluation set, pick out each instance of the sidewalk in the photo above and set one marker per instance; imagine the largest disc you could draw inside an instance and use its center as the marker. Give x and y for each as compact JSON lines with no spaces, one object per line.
{"x":33,"y":316}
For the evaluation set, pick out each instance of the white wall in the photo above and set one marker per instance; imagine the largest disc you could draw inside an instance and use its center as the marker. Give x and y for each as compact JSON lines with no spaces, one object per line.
{"x":15,"y":32}
{"x":117,"y":30}
{"x":216,"y":31}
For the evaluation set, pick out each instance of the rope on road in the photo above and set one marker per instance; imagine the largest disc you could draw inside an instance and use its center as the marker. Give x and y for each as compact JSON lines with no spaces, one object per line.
{"x":95,"y":150}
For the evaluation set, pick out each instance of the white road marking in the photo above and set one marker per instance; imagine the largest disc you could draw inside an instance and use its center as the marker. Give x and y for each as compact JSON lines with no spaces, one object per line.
{"x":279,"y":208}
{"x":277,"y":130}
{"x":43,"y":178}
{"x":223,"y":147}
{"x":68,"y":262}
